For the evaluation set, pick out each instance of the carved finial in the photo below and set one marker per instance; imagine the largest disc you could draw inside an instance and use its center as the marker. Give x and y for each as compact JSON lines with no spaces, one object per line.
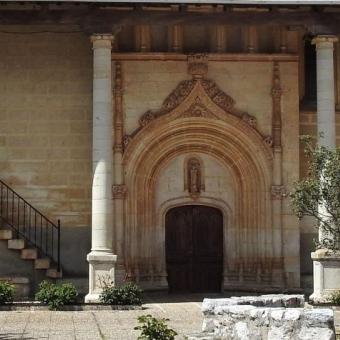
{"x":276,"y":89}
{"x":198,"y":65}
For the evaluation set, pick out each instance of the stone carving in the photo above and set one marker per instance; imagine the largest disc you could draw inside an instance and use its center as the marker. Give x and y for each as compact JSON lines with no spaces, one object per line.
{"x":276,"y":88}
{"x":194,"y":177}
{"x":178,"y":95}
{"x":198,"y":110}
{"x":217,"y":95}
{"x":198,"y":65}
{"x":146,"y":118}
{"x":278,"y":192}
{"x":119,"y":191}
{"x":250,"y":120}
{"x":268,"y":140}
{"x":126,"y":141}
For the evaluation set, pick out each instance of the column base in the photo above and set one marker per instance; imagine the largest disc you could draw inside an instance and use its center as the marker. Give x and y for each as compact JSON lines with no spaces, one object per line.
{"x":101,"y":273}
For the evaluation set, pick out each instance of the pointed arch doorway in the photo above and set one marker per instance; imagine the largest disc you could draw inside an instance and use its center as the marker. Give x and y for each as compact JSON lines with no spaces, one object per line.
{"x":194,"y":248}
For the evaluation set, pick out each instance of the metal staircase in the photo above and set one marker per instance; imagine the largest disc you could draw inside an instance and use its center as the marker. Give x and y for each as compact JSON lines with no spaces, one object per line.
{"x":27,"y":230}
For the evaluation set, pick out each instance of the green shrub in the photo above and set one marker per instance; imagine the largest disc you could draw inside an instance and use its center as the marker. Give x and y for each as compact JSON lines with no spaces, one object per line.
{"x":128,"y":294}
{"x":7,"y":291}
{"x":154,"y":329}
{"x":56,"y":296}
{"x":335,"y":298}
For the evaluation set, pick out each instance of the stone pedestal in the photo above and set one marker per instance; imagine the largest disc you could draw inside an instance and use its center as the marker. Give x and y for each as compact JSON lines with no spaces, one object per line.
{"x":101,"y":272}
{"x":326,"y":271}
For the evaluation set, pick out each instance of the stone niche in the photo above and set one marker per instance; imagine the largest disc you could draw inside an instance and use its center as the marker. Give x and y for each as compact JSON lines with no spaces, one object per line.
{"x":265,"y":317}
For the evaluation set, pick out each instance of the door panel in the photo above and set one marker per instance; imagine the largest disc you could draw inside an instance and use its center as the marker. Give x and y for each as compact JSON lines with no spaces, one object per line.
{"x":194,"y":248}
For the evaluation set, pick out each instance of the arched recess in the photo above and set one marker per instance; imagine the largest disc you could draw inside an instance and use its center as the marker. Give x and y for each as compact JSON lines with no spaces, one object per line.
{"x":240,"y":148}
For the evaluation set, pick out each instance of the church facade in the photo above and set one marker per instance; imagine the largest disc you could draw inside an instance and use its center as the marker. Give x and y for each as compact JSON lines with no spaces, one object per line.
{"x":166,"y":138}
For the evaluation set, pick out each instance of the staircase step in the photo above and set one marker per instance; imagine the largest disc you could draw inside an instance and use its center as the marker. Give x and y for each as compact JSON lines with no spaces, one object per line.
{"x":29,"y":254}
{"x":43,"y":263}
{"x":16,"y":243}
{"x":53,"y":273}
{"x":6,"y":234}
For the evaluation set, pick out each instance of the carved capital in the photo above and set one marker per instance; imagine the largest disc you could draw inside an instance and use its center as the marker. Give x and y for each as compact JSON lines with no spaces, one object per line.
{"x":278,"y":192}
{"x":198,"y":65}
{"x":325,"y":41}
{"x":119,"y":191}
{"x":101,"y":40}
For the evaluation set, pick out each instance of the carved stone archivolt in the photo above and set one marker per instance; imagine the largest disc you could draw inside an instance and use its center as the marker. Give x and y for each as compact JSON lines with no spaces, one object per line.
{"x":197,"y":97}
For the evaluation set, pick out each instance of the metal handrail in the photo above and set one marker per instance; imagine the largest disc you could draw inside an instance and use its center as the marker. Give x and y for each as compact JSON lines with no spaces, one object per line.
{"x":30,"y":224}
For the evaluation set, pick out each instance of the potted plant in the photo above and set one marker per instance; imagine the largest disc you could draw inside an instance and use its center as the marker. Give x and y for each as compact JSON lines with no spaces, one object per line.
{"x":318,"y":195}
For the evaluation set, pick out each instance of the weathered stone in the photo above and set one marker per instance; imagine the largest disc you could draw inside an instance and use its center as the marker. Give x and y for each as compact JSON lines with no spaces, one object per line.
{"x":232,"y":319}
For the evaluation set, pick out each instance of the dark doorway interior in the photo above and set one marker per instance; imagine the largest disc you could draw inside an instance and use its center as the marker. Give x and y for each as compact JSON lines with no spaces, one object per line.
{"x":194,"y":249}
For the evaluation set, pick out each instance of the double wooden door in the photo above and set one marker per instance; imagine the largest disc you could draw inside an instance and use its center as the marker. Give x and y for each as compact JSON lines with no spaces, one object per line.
{"x":194,"y":248}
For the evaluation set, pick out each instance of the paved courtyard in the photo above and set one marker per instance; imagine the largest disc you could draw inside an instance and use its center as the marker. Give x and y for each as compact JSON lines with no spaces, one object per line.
{"x":184,"y":314}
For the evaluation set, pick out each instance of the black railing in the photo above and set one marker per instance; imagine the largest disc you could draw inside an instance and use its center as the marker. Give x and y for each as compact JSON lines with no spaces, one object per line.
{"x":30,"y":224}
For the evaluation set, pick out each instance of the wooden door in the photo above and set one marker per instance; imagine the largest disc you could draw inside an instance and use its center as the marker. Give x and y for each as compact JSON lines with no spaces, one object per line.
{"x":194,"y":249}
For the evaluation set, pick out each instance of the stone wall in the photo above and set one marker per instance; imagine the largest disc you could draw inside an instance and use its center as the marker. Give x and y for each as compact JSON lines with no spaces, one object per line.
{"x":46,"y":128}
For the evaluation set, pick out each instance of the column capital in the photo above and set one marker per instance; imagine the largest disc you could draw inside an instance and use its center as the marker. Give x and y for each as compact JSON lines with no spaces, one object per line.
{"x":324,"y":41}
{"x":102,"y":40}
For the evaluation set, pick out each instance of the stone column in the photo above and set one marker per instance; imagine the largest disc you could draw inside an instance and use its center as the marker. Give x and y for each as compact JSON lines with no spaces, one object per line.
{"x":101,"y":259}
{"x":325,"y":89}
{"x":326,"y":137}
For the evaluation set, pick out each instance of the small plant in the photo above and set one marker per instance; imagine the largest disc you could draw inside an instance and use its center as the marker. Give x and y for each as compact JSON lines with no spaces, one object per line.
{"x":7,"y":291}
{"x":335,"y":298}
{"x":154,"y":329}
{"x":128,"y":294}
{"x":56,"y":296}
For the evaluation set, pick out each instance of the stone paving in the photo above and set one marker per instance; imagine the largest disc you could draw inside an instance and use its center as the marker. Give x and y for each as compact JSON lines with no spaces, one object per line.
{"x":184,"y":314}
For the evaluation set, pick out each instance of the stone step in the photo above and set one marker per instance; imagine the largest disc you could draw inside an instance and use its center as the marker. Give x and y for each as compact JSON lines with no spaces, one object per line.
{"x":54,"y":274}
{"x":43,"y":263}
{"x":29,"y":254}
{"x":16,"y":243}
{"x":6,"y":234}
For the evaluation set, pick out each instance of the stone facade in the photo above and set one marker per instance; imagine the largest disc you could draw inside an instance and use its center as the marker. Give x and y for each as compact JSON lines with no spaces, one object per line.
{"x":46,"y":143}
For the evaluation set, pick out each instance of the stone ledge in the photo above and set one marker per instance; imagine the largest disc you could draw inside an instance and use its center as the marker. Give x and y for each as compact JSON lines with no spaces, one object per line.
{"x":211,"y":306}
{"x":35,"y":305}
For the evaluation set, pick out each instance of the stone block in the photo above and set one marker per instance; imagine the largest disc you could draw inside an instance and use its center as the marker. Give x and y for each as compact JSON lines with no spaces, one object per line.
{"x":43,"y":263}
{"x":264,"y":318}
{"x":29,"y":253}
{"x":16,"y":244}
{"x":6,"y":234}
{"x":54,"y":273}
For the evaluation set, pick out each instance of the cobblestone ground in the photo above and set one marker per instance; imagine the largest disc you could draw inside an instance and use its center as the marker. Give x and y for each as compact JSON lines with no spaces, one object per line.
{"x":184,"y":314}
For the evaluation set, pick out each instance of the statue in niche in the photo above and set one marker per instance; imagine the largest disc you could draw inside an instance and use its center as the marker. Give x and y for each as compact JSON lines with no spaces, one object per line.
{"x":194,"y":175}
